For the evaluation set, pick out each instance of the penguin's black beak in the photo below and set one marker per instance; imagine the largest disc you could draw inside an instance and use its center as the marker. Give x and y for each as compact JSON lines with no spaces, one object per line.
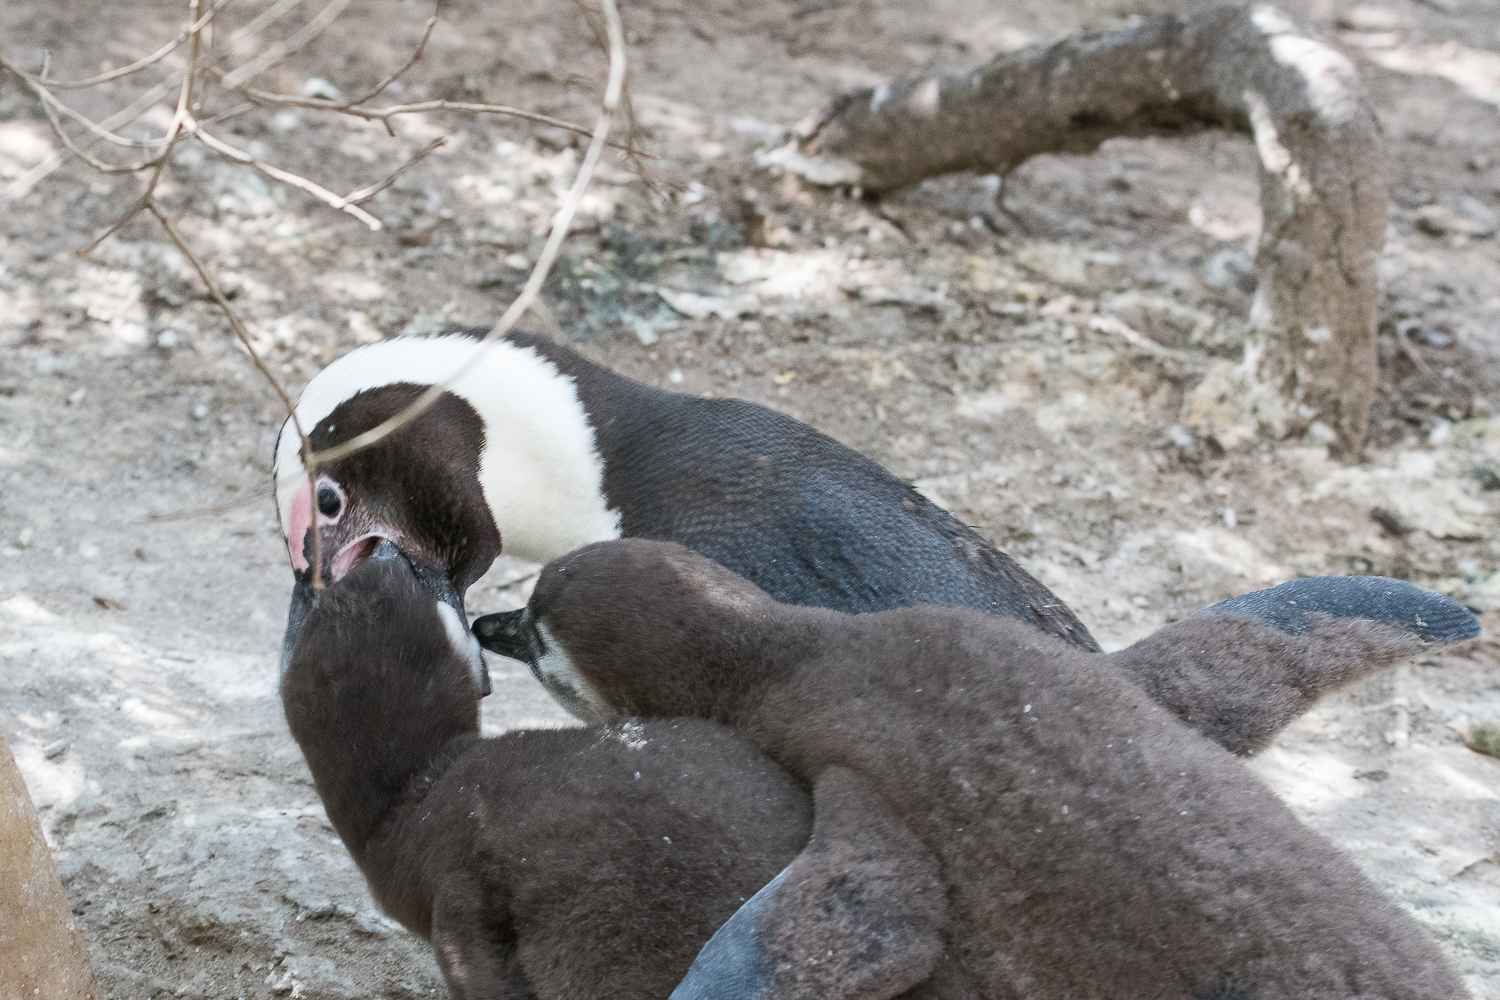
{"x":512,"y":634}
{"x":304,"y":599}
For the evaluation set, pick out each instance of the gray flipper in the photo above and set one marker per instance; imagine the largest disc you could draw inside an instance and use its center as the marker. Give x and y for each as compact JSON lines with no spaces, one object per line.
{"x":1240,"y":671}
{"x":859,"y":913}
{"x":735,"y":962}
{"x":1429,"y":616}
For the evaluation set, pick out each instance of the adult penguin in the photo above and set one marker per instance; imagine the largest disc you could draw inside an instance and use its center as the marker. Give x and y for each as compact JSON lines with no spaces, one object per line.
{"x":538,"y":450}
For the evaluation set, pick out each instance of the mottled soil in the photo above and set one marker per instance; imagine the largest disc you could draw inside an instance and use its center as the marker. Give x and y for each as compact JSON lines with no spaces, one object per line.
{"x":142,"y":578}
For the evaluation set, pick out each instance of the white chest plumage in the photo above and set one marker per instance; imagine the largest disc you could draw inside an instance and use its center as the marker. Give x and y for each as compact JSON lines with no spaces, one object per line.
{"x":541,"y":473}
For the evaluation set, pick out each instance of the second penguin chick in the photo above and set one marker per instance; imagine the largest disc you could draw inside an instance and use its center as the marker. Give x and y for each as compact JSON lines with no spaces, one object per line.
{"x":983,"y":787}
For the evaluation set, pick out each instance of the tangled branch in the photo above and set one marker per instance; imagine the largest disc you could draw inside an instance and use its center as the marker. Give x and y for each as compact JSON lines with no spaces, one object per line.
{"x":188,"y":123}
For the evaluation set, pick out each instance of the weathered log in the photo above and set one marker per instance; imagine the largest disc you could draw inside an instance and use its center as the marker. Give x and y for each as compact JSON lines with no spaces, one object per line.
{"x":42,"y":954}
{"x":1311,"y":355}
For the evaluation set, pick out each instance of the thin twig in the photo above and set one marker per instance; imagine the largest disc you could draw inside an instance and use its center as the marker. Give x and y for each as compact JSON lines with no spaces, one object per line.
{"x":49,"y":100}
{"x":188,"y":32}
{"x":136,"y":208}
{"x":285,"y":176}
{"x":384,"y":114}
{"x":1119,"y":328}
{"x":366,"y":193}
{"x":533,"y":286}
{"x":220,"y":300}
{"x":89,"y":158}
{"x":633,"y":125}
{"x":174,"y":134}
{"x":279,"y":51}
{"x":253,"y":496}
{"x":379,"y":88}
{"x":309,"y":459}
{"x":262,"y":20}
{"x":128,"y":114}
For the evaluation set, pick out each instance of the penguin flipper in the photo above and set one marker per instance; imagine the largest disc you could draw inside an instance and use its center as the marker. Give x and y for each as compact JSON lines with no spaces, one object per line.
{"x":1240,"y":671}
{"x":859,"y":913}
{"x":1430,"y":616}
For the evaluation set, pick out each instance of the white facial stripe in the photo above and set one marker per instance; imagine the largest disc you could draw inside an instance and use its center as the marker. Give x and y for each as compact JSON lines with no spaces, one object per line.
{"x":541,"y":475}
{"x":463,"y":642}
{"x":562,"y":680}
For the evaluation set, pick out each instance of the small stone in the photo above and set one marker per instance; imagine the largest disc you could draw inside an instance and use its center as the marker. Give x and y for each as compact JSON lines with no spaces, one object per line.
{"x":675,"y":376}
{"x":88,"y":550}
{"x":1439,"y":220}
{"x":23,"y":540}
{"x":167,"y":339}
{"x":200,"y":411}
{"x":318,"y":87}
{"x":1390,"y":522}
{"x":1398,"y":733}
{"x":1368,"y":18}
{"x":1486,"y":740}
{"x":1320,"y":433}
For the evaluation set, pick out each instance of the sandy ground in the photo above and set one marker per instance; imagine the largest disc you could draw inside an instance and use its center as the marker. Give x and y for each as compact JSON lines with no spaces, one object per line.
{"x":143,"y":582}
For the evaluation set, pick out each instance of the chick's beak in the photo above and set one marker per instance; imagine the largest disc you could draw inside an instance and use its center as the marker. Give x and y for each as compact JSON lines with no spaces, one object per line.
{"x":510,"y":633}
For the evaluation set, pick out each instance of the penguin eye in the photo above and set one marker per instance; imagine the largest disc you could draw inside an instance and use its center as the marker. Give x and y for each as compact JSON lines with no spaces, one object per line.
{"x":329,"y":503}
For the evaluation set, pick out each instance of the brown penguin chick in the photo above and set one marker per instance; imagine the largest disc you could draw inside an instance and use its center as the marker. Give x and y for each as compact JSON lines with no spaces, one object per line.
{"x":1057,"y":830}
{"x":569,"y":863}
{"x":1239,"y":696}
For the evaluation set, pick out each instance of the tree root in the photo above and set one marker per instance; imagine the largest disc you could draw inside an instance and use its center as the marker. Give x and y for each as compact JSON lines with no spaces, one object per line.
{"x":1323,"y":174}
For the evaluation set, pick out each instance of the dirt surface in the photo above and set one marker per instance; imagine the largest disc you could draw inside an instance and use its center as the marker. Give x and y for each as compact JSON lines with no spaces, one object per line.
{"x":955,"y":339}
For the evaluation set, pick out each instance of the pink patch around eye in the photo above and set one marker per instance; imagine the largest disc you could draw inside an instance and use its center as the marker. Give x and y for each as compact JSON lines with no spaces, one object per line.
{"x":301,"y":520}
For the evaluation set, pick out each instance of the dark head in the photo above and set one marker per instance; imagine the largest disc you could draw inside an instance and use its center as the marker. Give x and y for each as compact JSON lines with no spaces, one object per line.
{"x":379,"y":681}
{"x":505,"y":455}
{"x":639,"y":627}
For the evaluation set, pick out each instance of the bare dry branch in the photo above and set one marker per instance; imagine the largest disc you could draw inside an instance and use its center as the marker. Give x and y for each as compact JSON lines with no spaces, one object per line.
{"x":416,"y":57}
{"x":243,"y":335}
{"x":387,"y":113}
{"x":220,"y":299}
{"x":136,"y":208}
{"x":51,"y":103}
{"x":185,"y":124}
{"x":125,"y":116}
{"x":366,"y":193}
{"x":174,"y":133}
{"x":192,"y":30}
{"x":1324,"y":180}
{"x":529,"y":292}
{"x":259,"y":23}
{"x":89,"y":158}
{"x":285,"y":176}
{"x":280,"y":50}
{"x":255,"y":495}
